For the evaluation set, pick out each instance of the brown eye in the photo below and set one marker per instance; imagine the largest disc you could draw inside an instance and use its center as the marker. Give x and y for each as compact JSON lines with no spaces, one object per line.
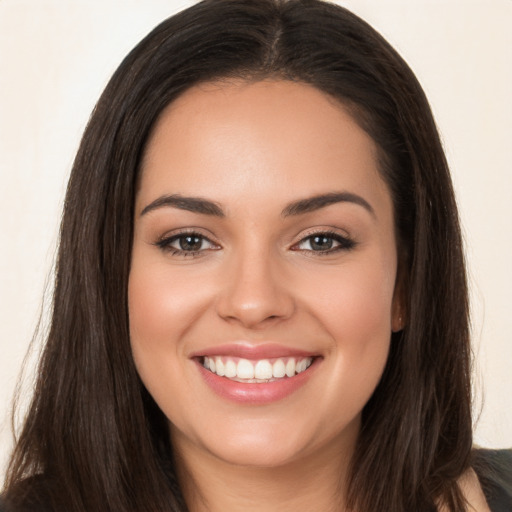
{"x":321,"y":243}
{"x":325,"y":243}
{"x":190,"y":242}
{"x":186,"y":244}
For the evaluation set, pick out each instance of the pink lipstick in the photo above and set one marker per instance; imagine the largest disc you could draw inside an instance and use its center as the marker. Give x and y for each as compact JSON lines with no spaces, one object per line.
{"x":255,"y":374}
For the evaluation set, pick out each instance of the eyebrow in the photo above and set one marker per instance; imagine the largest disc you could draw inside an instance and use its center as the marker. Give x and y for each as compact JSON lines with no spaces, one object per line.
{"x":314,"y":203}
{"x":191,"y":204}
{"x":300,"y":207}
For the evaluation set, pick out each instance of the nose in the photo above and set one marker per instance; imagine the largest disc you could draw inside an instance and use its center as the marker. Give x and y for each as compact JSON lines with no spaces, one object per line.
{"x":255,"y":292}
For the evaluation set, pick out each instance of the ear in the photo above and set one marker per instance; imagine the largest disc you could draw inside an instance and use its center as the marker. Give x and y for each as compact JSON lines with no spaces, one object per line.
{"x":398,"y":309}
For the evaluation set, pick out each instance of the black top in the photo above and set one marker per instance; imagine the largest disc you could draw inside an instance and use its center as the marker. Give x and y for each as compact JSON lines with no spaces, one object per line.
{"x":493,"y":467}
{"x":494,"y":470}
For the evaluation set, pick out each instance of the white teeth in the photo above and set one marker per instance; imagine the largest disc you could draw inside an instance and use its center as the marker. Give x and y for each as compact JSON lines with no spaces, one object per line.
{"x":279,"y":369}
{"x":230,"y":369}
{"x":290,"y":368}
{"x":219,"y":365}
{"x":245,"y":369}
{"x":256,"y":371}
{"x":301,"y":366}
{"x":263,"y":370}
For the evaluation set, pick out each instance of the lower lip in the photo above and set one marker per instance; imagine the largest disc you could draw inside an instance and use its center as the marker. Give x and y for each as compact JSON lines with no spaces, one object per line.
{"x":256,"y":394}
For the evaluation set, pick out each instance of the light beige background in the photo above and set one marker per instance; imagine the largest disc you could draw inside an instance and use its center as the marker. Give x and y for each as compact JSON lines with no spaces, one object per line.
{"x":56,"y":57}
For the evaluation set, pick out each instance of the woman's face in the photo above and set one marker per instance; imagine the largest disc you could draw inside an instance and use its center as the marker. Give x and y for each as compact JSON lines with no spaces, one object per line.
{"x":264,"y":249}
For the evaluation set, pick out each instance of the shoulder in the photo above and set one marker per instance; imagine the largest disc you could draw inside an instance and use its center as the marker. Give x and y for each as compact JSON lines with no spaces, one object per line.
{"x":472,"y":492}
{"x":494,"y":471}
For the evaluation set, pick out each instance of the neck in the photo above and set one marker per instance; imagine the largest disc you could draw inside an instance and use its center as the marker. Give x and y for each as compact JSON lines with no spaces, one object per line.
{"x":313,"y":482}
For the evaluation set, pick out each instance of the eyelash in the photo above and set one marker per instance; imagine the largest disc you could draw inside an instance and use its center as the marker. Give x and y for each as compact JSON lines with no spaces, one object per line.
{"x":344,"y":243}
{"x":165,"y":244}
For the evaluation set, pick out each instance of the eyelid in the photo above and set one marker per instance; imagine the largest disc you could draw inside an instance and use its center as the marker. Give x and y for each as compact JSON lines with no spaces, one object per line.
{"x":164,"y":242}
{"x":192,"y":230}
{"x":344,"y":240}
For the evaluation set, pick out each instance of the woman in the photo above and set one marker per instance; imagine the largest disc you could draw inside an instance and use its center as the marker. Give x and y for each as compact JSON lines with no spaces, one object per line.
{"x":260,"y":300}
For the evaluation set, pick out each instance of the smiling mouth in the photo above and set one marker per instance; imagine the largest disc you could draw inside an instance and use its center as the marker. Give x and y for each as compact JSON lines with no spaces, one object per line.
{"x":256,"y":372}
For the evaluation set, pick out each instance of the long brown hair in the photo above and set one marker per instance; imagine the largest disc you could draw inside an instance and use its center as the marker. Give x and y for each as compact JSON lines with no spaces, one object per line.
{"x":93,"y":438}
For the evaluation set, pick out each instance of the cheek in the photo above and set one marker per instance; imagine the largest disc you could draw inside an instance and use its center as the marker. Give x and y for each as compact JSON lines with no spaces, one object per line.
{"x":165,"y":303}
{"x":162,"y":304}
{"x":157,"y":306}
{"x":152,"y":348}
{"x":161,"y":309}
{"x":355,"y":303}
{"x":355,"y":309}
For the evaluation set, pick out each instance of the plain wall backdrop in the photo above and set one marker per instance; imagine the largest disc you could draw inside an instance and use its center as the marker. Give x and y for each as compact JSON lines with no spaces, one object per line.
{"x":56,"y":56}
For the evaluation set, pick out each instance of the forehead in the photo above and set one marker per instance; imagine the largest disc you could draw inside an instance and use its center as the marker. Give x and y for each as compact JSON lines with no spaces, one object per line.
{"x":278,"y":139}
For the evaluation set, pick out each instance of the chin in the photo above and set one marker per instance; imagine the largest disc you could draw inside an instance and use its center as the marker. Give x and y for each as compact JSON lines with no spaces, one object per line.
{"x":273,"y":444}
{"x":257,"y":452}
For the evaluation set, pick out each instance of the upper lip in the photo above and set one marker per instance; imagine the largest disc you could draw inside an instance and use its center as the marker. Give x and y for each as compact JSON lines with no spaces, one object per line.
{"x":246,"y":350}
